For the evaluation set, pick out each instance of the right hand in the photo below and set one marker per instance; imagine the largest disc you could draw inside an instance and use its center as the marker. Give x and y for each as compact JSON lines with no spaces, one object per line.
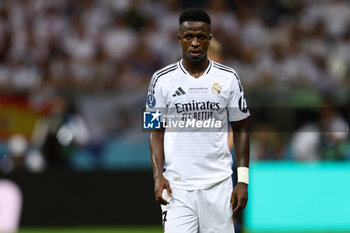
{"x":160,"y":183}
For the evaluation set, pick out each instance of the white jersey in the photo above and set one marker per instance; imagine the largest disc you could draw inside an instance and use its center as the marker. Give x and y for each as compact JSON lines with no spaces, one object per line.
{"x":197,"y":159}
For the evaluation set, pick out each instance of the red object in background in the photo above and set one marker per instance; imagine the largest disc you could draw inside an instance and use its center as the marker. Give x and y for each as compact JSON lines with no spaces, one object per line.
{"x":17,"y":116}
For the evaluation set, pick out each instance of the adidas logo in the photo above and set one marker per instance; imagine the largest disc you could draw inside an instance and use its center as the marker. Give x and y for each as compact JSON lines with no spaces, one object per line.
{"x":179,"y":92}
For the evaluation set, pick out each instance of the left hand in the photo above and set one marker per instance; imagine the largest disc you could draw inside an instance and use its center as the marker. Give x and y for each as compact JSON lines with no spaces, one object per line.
{"x":239,"y":194}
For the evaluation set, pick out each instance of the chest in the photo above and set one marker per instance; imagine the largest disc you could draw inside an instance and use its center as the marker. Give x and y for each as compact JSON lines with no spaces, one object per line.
{"x":211,"y":92}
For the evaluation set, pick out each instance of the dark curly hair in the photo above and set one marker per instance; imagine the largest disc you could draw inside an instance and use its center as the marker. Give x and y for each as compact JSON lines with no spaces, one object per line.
{"x":194,"y":14}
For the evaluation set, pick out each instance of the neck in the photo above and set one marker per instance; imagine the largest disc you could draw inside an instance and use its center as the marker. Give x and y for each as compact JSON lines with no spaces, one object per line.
{"x":196,"y":69}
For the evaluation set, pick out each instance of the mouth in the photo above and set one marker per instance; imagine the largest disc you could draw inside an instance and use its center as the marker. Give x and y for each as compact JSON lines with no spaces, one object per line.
{"x":195,"y":53}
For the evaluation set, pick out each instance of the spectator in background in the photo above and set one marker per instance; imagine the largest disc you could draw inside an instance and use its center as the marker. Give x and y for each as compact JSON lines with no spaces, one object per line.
{"x":63,"y":128}
{"x":82,"y":35}
{"x":323,"y":139}
{"x":334,"y":141}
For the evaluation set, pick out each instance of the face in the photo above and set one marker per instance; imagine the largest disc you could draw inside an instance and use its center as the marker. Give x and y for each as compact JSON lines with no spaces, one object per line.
{"x":194,"y":38}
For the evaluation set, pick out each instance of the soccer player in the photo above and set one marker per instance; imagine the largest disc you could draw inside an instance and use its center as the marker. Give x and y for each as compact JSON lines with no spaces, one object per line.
{"x":192,"y":169}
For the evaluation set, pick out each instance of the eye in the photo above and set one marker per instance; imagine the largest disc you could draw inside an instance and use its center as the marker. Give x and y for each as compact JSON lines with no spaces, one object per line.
{"x":202,"y":37}
{"x":188,"y":36}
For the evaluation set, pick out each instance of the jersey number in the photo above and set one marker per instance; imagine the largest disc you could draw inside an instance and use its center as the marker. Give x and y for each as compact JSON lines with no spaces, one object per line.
{"x":164,"y":216}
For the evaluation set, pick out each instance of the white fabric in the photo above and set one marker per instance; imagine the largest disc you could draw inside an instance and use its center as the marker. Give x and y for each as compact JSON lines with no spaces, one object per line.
{"x":197,"y":160}
{"x":10,"y":206}
{"x":204,"y":211}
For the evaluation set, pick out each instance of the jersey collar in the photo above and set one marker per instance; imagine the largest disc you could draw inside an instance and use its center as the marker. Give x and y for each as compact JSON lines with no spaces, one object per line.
{"x":187,"y":73}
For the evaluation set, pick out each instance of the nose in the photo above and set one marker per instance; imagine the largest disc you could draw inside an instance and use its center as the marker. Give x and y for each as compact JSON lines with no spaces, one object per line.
{"x":195,"y":42}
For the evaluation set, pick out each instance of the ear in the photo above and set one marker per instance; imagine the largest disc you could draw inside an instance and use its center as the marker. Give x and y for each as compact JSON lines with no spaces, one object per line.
{"x":179,"y":37}
{"x":210,"y":37}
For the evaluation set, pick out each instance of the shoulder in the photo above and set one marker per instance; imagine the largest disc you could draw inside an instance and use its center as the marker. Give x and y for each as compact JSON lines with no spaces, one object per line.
{"x":166,"y":71}
{"x":229,"y":74}
{"x":224,"y":70}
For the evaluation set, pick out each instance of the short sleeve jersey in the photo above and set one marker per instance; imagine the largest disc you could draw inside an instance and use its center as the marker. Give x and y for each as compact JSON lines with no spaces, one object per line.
{"x":197,"y":160}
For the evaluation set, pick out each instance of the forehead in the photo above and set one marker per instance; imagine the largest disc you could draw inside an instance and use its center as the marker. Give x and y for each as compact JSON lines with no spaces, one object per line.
{"x":194,"y":26}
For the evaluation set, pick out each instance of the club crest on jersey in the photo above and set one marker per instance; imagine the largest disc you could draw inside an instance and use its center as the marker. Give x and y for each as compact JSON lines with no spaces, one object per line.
{"x":151,"y":100}
{"x":216,"y":89}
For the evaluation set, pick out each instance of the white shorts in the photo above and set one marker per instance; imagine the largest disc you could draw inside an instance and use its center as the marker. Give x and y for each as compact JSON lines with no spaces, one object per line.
{"x":199,"y":211}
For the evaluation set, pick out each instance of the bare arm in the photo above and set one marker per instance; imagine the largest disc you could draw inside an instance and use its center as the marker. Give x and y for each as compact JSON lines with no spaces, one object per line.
{"x":156,"y":142}
{"x":230,"y":139}
{"x":241,"y":142}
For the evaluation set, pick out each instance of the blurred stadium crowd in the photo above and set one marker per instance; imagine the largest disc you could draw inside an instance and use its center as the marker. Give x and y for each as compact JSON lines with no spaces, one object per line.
{"x":74,"y":75}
